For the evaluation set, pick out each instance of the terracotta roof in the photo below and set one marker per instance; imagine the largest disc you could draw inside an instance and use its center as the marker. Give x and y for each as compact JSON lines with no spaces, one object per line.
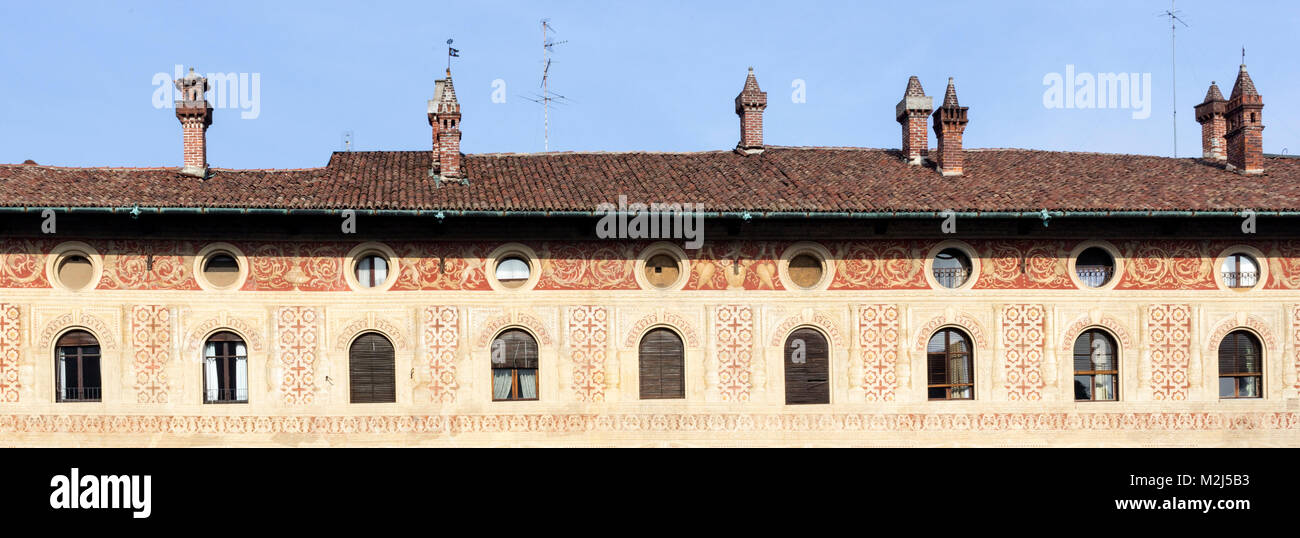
{"x":779,"y":179}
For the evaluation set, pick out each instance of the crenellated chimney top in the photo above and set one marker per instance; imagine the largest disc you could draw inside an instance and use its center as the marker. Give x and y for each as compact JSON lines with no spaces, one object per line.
{"x":1210,"y":114}
{"x":195,"y":115}
{"x":913,"y":113}
{"x":749,"y":106}
{"x":444,"y":118}
{"x":949,"y":124}
{"x":1245,"y":134}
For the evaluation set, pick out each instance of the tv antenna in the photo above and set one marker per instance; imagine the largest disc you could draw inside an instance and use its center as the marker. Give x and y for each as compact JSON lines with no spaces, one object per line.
{"x":1172,"y":15}
{"x":347,"y":140}
{"x":547,"y":97}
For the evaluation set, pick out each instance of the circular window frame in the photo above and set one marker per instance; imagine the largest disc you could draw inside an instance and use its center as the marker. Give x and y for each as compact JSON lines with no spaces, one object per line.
{"x":513,"y":250}
{"x":1260,"y":261}
{"x":213,"y":249}
{"x":66,"y":249}
{"x":666,"y":248}
{"x":1072,"y":264}
{"x":354,"y":257}
{"x":816,"y":250}
{"x":975,"y":265}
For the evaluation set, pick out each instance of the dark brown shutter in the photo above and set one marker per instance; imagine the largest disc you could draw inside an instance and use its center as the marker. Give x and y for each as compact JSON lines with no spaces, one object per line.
{"x":807,"y":382}
{"x":662,"y":365}
{"x":1239,"y":353}
{"x":371,"y":370}
{"x":77,"y":338}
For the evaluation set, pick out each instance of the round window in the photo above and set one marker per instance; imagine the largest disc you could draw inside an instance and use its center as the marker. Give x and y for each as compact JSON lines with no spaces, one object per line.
{"x":1094,"y":267}
{"x":513,"y":272}
{"x":371,"y":270}
{"x":75,"y":271}
{"x":221,"y":269}
{"x":951,"y":267}
{"x":662,"y":270}
{"x":805,"y":270}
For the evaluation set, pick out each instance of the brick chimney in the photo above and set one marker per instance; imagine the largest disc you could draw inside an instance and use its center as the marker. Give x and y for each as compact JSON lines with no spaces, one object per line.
{"x":1245,"y":136}
{"x":913,"y":112}
{"x":749,"y":106}
{"x":949,"y":124}
{"x":444,"y":117}
{"x":195,"y":114}
{"x":1213,"y":124}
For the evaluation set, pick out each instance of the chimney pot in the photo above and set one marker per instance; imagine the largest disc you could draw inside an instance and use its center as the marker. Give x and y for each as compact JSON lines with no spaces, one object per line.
{"x":1245,"y":128}
{"x":444,"y":118}
{"x":949,"y":124}
{"x":749,"y":106}
{"x":195,"y":115}
{"x":913,"y":112}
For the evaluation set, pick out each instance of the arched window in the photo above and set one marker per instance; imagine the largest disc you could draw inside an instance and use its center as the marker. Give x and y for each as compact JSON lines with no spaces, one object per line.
{"x":225,"y":369}
{"x":371,"y":375}
{"x":514,"y":366}
{"x":1096,"y":367}
{"x":662,"y":365}
{"x":79,"y":379}
{"x":948,"y":358}
{"x":1241,"y":369}
{"x":807,"y":368}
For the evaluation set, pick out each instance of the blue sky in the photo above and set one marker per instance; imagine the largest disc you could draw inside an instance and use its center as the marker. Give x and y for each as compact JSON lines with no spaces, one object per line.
{"x":656,"y":76}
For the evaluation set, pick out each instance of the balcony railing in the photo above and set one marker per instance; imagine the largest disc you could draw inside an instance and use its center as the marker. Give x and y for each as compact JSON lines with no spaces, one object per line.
{"x":1240,"y":279}
{"x":951,"y":278}
{"x":1094,"y":276}
{"x":82,"y":394}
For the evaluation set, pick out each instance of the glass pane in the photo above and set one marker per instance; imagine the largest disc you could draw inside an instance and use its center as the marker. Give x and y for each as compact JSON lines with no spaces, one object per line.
{"x":1082,"y":387}
{"x":512,"y":269}
{"x":1105,"y":387}
{"x":937,"y":393}
{"x":90,"y":377}
{"x":1226,"y":385}
{"x":961,"y":393}
{"x":1249,"y":386}
{"x":502,"y":379}
{"x":527,"y":384}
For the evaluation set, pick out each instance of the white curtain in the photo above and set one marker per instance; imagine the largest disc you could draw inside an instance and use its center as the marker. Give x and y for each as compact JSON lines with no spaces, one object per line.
{"x":527,"y":384}
{"x":241,"y":372}
{"x":63,"y":375}
{"x":210,"y":371}
{"x":381,"y":270}
{"x":501,"y":380}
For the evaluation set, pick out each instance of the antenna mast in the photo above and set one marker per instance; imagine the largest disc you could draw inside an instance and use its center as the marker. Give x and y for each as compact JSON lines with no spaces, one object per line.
{"x":1172,"y":14}
{"x":547,"y":98}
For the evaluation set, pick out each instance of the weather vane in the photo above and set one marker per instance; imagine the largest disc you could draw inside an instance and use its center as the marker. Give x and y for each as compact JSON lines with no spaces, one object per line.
{"x":451,"y":53}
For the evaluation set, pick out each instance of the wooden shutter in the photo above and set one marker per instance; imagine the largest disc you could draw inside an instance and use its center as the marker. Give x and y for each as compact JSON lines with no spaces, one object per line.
{"x":662,"y":365}
{"x":371,"y":370}
{"x":77,"y":338}
{"x":1239,"y":353}
{"x":807,"y":382}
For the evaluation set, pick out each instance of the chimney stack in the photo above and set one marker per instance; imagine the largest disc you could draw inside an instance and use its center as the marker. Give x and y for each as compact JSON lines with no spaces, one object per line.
{"x":949,"y":124}
{"x":1245,"y":136}
{"x":444,"y":117}
{"x":1210,"y":114}
{"x":195,"y":115}
{"x":913,"y":112}
{"x":749,"y":106}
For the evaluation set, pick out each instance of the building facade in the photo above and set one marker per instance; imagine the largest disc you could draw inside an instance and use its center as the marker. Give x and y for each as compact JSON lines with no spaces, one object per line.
{"x":805,"y":296}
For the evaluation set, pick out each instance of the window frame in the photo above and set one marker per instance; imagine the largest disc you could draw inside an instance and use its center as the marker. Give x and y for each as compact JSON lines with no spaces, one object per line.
{"x":947,"y":361}
{"x":515,"y":392}
{"x":1258,"y":344}
{"x":226,"y":338}
{"x":1092,"y":374}
{"x":640,"y":356}
{"x":60,"y":386}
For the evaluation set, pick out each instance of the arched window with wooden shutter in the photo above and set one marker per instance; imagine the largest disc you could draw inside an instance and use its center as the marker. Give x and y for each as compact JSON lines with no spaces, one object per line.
{"x":1241,"y":366}
{"x":77,"y":367}
{"x":371,"y":370}
{"x":514,"y":366}
{"x":662,"y":365}
{"x":1096,"y":367}
{"x":807,"y":368}
{"x":949,"y":368}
